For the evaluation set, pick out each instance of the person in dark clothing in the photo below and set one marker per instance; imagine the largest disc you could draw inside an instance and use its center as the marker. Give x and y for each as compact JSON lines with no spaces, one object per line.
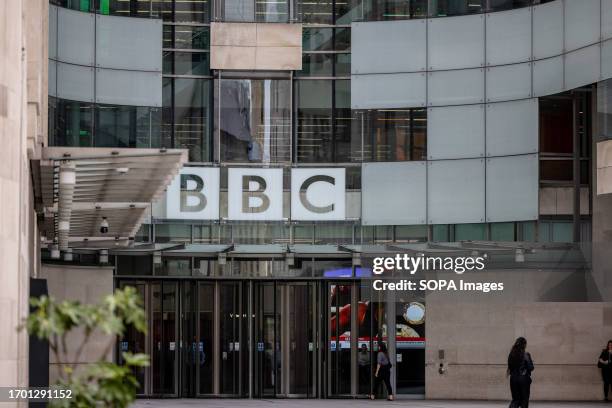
{"x":520,"y":366}
{"x":383,"y":372}
{"x":605,"y":363}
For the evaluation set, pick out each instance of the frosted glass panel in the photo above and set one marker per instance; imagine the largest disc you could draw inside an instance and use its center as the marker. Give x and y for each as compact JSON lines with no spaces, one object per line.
{"x":509,"y":82}
{"x":52,"y":32}
{"x":548,"y":76}
{"x":394,"y":193}
{"x":455,"y":132}
{"x":388,"y":91}
{"x":456,"y":87}
{"x":512,"y":188}
{"x":509,"y":36}
{"x":128,"y":87}
{"x":606,"y":60}
{"x":548,"y":30}
{"x":390,"y":46}
{"x":455,"y":191}
{"x":606,"y":19}
{"x":75,"y":43}
{"x":582,"y":23}
{"x":512,"y":127}
{"x":52,"y":78}
{"x":128,"y":43}
{"x":75,"y":82}
{"x":456,"y":42}
{"x":582,"y":66}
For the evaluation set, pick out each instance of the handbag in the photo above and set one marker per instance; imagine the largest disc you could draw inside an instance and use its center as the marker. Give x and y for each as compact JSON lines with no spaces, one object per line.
{"x":600,"y":364}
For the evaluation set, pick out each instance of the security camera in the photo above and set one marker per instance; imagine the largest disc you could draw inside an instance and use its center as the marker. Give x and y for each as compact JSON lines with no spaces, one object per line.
{"x":104,"y":226}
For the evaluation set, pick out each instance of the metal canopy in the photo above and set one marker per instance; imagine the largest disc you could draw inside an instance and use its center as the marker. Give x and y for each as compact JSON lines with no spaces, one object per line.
{"x":79,"y":187}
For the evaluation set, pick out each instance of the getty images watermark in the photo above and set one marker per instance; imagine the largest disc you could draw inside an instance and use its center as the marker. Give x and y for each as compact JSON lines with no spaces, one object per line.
{"x":413,"y":264}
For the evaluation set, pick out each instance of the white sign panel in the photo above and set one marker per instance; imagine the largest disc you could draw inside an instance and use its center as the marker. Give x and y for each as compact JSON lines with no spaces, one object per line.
{"x":255,"y":194}
{"x":318,"y":194}
{"x":194,"y":194}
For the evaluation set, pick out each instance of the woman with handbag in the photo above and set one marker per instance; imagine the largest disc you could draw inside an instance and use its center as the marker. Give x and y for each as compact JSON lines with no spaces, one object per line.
{"x":520,"y":366}
{"x":605,"y":363}
{"x":383,"y":372}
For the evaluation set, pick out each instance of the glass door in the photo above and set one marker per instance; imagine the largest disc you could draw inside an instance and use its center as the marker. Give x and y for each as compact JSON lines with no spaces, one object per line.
{"x":267,"y":355}
{"x":205,"y":336}
{"x":164,"y":362}
{"x":339,"y":326}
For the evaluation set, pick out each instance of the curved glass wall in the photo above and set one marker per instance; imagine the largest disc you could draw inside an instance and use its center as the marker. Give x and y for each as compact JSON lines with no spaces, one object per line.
{"x":83,"y":124}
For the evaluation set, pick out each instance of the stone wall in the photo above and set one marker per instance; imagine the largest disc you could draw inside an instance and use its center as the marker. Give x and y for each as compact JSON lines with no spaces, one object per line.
{"x":564,"y":335}
{"x":23,"y":121}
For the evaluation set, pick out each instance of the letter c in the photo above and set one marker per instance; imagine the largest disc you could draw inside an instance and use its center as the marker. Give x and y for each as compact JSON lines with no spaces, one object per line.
{"x":304,"y":189}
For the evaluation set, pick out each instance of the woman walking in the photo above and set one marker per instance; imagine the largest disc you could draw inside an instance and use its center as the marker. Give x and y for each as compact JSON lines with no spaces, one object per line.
{"x":605,"y":363}
{"x":383,"y":372}
{"x":520,"y":367}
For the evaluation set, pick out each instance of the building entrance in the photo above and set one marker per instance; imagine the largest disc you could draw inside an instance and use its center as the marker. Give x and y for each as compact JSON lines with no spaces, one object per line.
{"x":274,"y":338}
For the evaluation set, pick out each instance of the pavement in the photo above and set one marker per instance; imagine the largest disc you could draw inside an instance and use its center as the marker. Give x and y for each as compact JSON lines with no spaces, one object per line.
{"x":346,"y":403}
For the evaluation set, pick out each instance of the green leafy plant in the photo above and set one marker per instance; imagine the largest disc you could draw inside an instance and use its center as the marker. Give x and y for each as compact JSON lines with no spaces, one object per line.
{"x":101,"y":383}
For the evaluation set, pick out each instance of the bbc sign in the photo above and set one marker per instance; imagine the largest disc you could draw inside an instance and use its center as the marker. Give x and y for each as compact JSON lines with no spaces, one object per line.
{"x":256,"y":194}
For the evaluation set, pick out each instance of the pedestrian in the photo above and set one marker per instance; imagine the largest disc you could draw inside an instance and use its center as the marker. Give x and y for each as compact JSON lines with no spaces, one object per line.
{"x":383,"y":372}
{"x":520,"y":366}
{"x":605,"y":363}
{"x":365,"y":370}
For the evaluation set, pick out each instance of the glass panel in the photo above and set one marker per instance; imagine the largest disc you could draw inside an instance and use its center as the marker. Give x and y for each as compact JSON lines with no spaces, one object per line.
{"x":205,"y":234}
{"x":173,"y":267}
{"x":562,"y":231}
{"x":339,"y":339}
{"x":205,"y":338}
{"x":411,"y":233}
{"x":192,"y":117}
{"x":125,"y":8}
{"x":172,"y":233}
{"x":144,"y":233}
{"x":303,"y":234}
{"x":127,"y":126}
{"x":502,"y":231}
{"x":346,"y":147}
{"x":441,"y":8}
{"x":556,"y":170}
{"x":187,"y":63}
{"x":314,"y":121}
{"x":190,"y":37}
{"x":512,"y":128}
{"x":527,"y":231}
{"x":316,"y":11}
{"x":317,"y":39}
{"x":317,"y":65}
{"x":164,"y":337}
{"x":260,"y":233}
{"x":334,"y":234}
{"x":376,"y":10}
{"x":342,"y":41}
{"x":134,"y":265}
{"x":470,"y":232}
{"x":196,"y":11}
{"x":301,"y":350}
{"x":255,"y":120}
{"x":229,"y":316}
{"x":73,"y":124}
{"x":272,"y":11}
{"x":556,"y":125}
{"x":499,"y":5}
{"x":410,"y":317}
{"x":441,"y":233}
{"x":333,"y":268}
{"x":395,"y":134}
{"x":267,"y":356}
{"x":343,"y":65}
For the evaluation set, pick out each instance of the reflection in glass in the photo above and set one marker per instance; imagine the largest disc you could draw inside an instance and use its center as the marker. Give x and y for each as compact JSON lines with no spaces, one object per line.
{"x":172,"y":233}
{"x":339,"y":340}
{"x":442,"y":8}
{"x":127,"y":126}
{"x":394,"y":134}
{"x":317,"y":65}
{"x":255,"y":124}
{"x":499,"y":5}
{"x":205,"y":338}
{"x":316,"y":11}
{"x":314,"y":121}
{"x":379,"y":10}
{"x":317,"y":39}
{"x":171,"y":266}
{"x":192,"y":117}
{"x":271,"y":11}
{"x":73,"y":124}
{"x":189,"y":37}
{"x":192,"y":11}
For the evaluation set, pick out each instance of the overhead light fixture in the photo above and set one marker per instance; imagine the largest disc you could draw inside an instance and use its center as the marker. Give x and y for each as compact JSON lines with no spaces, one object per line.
{"x":104,"y":256}
{"x":68,"y":255}
{"x":519,"y":255}
{"x":290,"y":259}
{"x":55,"y":252}
{"x":157,"y":258}
{"x":222,"y":258}
{"x":104,"y":226}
